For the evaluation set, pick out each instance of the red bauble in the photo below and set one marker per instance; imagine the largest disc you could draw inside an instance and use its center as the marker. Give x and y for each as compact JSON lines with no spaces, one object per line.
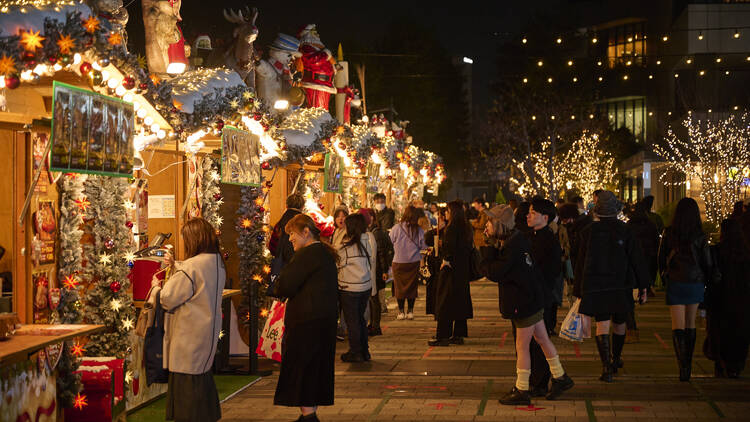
{"x":219,"y":124}
{"x":115,"y":286}
{"x":129,"y":224}
{"x":226,"y":256}
{"x":12,"y":81}
{"x":261,"y":209}
{"x":257,"y":116}
{"x":85,"y":68}
{"x":143,"y":86}
{"x":217,"y":196}
{"x":128,"y":82}
{"x":52,"y":59}
{"x":266,"y":165}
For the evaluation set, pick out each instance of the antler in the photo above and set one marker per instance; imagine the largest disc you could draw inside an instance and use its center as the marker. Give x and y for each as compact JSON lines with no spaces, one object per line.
{"x":233,"y":17}
{"x":255,"y":15}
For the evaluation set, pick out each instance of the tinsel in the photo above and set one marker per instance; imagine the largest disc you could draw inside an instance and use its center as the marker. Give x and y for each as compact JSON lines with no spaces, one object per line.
{"x":254,"y":257}
{"x":69,"y":261}
{"x":110,"y":237}
{"x":210,"y":193}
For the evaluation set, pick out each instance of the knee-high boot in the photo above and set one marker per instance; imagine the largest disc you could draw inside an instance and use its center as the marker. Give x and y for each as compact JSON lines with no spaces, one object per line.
{"x":602,"y":343}
{"x":618,"y":342}
{"x":678,"y":341}
{"x":690,"y":334}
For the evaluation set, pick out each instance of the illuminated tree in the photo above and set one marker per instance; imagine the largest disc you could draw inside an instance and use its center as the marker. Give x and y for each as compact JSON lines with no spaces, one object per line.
{"x":587,"y":166}
{"x":717,"y":154}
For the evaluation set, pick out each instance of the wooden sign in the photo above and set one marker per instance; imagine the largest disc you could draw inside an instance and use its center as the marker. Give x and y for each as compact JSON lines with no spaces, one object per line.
{"x":91,"y":133}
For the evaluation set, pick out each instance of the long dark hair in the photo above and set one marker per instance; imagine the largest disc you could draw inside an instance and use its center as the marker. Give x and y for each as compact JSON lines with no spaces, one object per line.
{"x":299,"y":222}
{"x":200,"y":237}
{"x":458,"y":218}
{"x":686,"y":223}
{"x":356,"y":226}
{"x":410,"y":220}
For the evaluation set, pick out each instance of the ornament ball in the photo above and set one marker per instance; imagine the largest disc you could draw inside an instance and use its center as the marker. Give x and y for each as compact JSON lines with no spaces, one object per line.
{"x":265,"y":166}
{"x":128,"y":82}
{"x":96,"y":77}
{"x":217,"y":196}
{"x":219,"y":124}
{"x":129,"y":224}
{"x":109,"y":243}
{"x":143,"y":86}
{"x":12,"y":81}
{"x":104,"y":62}
{"x":66,"y":59}
{"x":85,"y":67}
{"x":115,"y":286}
{"x":226,"y":256}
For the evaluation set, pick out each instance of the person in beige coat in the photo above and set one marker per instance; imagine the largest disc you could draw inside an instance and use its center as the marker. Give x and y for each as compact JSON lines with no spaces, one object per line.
{"x":192,"y":300}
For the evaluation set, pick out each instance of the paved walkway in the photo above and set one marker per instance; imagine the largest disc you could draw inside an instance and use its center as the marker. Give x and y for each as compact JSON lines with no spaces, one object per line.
{"x":409,"y":381}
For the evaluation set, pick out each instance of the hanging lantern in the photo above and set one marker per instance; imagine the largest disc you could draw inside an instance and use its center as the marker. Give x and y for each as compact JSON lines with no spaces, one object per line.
{"x":176,"y":53}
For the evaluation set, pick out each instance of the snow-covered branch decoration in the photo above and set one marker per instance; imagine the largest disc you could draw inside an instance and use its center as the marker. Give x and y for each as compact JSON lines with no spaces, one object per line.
{"x":210,"y":192}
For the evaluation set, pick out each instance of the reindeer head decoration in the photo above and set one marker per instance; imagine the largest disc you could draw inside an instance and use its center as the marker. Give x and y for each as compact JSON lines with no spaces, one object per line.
{"x":244,"y":35}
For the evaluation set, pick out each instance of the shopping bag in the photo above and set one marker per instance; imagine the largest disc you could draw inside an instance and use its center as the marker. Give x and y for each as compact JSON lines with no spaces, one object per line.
{"x":269,"y":343}
{"x":572,"y":326}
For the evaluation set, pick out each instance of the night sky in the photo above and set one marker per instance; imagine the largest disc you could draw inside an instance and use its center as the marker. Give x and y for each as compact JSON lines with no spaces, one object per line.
{"x":472,"y":28}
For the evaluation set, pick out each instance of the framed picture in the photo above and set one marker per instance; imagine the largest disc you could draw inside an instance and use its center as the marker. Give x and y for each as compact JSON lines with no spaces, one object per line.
{"x":373,"y":177}
{"x":334,"y":168}
{"x":240,"y":157}
{"x":91,"y":133}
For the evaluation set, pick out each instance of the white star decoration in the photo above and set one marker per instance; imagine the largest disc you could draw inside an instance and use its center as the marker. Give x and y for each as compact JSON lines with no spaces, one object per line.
{"x":128,"y":377}
{"x":105,"y":259}
{"x":129,"y":256}
{"x":129,"y":205}
{"x":127,"y":324}
{"x":115,"y":305}
{"x":247,"y":95}
{"x":215,"y":176}
{"x":221,"y":334}
{"x":234,"y":103}
{"x":219,"y":220}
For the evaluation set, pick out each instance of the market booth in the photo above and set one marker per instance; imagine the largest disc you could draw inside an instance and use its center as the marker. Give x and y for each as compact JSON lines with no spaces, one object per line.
{"x":107,"y":160}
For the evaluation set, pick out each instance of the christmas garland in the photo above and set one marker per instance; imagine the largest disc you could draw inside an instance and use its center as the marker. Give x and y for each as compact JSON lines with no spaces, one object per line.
{"x":210,"y":192}
{"x":107,"y":300}
{"x":72,"y":205}
{"x":254,"y":256}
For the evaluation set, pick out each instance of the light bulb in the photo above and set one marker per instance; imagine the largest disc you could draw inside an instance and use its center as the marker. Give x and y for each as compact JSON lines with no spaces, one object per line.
{"x":540,"y":63}
{"x":161,"y":134}
{"x":525,"y":80}
{"x":559,"y":40}
{"x":736,"y":34}
{"x":524,"y":40}
{"x":77,"y":58}
{"x":120,"y":90}
{"x":665,"y":38}
{"x":700,"y":36}
{"x":128,"y":97}
{"x":594,"y":40}
{"x":148,"y":121}
{"x":154,"y":128}
{"x":112,"y":83}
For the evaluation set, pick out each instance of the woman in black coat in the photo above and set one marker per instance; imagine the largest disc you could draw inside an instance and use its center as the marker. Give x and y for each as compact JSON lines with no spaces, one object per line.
{"x":728,"y":321}
{"x":310,"y":281}
{"x":685,"y":265}
{"x":522,"y":301}
{"x":434,"y":239}
{"x":452,"y":294}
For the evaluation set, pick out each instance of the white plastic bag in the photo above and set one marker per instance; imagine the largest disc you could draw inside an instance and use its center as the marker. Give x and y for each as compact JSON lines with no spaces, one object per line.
{"x":572,"y":326}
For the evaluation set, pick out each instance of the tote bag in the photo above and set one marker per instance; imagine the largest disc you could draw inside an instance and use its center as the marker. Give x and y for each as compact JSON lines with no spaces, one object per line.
{"x":572,"y":326}
{"x":153,"y":347}
{"x":269,"y":343}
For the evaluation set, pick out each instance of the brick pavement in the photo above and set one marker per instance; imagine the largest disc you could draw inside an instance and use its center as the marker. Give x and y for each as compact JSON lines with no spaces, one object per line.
{"x":409,"y":381}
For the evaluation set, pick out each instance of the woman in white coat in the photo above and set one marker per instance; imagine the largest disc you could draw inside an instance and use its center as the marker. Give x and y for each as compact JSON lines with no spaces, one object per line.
{"x":192,"y":299}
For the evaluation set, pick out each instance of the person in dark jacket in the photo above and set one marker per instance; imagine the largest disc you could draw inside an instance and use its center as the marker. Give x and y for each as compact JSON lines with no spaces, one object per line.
{"x":547,"y":255}
{"x":434,"y":239}
{"x":385,"y":216}
{"x":655,"y":218}
{"x":278,"y":244}
{"x":509,"y":263}
{"x":648,"y":236}
{"x":608,"y":268}
{"x":727,"y":319}
{"x":685,"y":265}
{"x":452,"y":294}
{"x":310,"y":281}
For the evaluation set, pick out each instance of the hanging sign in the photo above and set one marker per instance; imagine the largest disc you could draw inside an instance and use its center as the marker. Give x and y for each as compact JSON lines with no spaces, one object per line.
{"x":240,"y":157}
{"x":334,"y":167}
{"x":91,"y":133}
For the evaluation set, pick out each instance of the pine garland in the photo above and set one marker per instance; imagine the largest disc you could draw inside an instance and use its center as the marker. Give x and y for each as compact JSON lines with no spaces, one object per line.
{"x":254,"y":257}
{"x":210,"y":192}
{"x":107,"y":300}
{"x":69,"y":262}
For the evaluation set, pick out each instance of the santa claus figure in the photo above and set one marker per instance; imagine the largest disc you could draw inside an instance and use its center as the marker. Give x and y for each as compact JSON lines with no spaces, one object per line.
{"x":317,"y":66}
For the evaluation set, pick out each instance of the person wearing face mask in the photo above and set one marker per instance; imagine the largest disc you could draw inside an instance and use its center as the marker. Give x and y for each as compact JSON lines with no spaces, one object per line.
{"x":310,"y":282}
{"x":385,"y":216}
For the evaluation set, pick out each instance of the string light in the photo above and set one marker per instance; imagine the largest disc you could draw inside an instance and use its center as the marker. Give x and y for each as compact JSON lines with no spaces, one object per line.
{"x":718,"y":60}
{"x":559,"y":40}
{"x":700,"y":36}
{"x":594,"y":40}
{"x":540,"y":63}
{"x":665,"y":38}
{"x":702,"y":72}
{"x":570,"y":62}
{"x":736,"y":33}
{"x":524,"y":41}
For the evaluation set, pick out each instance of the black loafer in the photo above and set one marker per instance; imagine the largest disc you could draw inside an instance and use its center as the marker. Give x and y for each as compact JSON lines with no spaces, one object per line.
{"x":457,"y":340}
{"x":516,"y":397}
{"x":559,"y":385}
{"x":439,"y":342}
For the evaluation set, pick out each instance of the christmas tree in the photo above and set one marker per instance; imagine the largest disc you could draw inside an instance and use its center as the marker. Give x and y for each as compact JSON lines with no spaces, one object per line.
{"x":210,"y":192}
{"x":107,"y":300}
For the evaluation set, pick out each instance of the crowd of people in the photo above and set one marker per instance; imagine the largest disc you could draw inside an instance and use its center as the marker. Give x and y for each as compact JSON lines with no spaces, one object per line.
{"x":604,"y":255}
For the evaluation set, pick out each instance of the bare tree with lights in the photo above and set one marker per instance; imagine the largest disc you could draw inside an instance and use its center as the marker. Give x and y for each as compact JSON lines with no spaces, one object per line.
{"x":587,"y":166}
{"x":714,"y":152}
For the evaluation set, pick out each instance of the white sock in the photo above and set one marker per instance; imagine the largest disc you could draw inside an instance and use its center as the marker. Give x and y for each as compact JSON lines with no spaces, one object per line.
{"x":522,"y":379}
{"x":555,"y":367}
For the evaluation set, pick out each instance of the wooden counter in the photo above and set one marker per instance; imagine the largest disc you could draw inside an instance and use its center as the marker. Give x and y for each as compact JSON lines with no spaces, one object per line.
{"x":30,"y":338}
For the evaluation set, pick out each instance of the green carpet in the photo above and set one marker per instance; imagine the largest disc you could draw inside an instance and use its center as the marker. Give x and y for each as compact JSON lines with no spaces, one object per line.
{"x":225,"y":384}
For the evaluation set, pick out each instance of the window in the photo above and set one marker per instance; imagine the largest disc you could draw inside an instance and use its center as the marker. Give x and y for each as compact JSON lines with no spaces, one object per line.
{"x":627,"y":44}
{"x":627,"y":112}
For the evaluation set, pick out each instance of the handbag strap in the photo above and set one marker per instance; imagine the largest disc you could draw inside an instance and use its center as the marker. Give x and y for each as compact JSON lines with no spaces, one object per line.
{"x":158,"y":312}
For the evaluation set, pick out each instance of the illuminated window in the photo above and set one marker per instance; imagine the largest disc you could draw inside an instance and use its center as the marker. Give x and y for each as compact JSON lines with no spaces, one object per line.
{"x":626,"y":43}
{"x":627,"y":112}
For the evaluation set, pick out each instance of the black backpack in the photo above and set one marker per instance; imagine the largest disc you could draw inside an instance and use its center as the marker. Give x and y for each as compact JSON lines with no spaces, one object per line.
{"x":153,"y":347}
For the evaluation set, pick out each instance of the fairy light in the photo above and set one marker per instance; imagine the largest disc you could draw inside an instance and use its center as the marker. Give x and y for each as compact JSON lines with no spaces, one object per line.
{"x":708,"y":153}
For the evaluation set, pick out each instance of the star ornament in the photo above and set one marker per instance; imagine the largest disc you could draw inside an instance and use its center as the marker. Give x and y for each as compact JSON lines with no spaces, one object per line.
{"x":234,"y":103}
{"x":65,"y":44}
{"x":7,"y":65}
{"x":264,"y":313}
{"x":70,"y":282}
{"x":91,"y":24}
{"x":127,"y":324}
{"x":221,"y":334}
{"x":266,"y":269}
{"x":105,"y":259}
{"x":115,"y":305}
{"x":78,"y":350}
{"x":83,"y":203}
{"x":258,"y":278}
{"x":31,"y":40}
{"x":80,"y":401}
{"x":247,"y":223}
{"x":128,"y":377}
{"x":130,"y":257}
{"x":115,"y":38}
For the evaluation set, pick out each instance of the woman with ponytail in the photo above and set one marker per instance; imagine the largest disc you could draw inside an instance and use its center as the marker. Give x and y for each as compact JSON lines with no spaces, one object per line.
{"x":309,"y":281}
